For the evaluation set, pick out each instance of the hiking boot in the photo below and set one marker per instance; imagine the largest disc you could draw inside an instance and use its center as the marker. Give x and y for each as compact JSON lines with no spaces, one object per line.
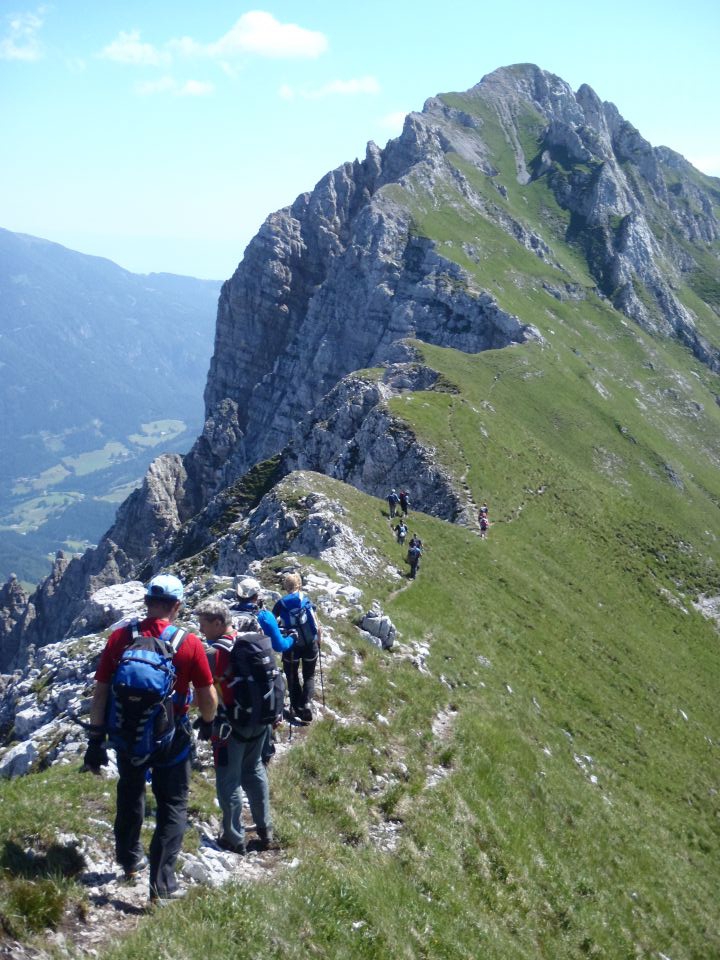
{"x":239,"y":848}
{"x":304,"y":714}
{"x":265,"y":839}
{"x":129,"y":873}
{"x":171,"y":895}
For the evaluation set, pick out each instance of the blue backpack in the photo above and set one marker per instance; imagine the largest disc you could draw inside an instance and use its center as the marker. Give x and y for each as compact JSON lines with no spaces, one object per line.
{"x":141,"y":714}
{"x":297,"y":613}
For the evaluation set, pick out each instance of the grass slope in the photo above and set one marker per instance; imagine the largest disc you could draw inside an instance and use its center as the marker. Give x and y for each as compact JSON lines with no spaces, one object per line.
{"x":568,"y":805}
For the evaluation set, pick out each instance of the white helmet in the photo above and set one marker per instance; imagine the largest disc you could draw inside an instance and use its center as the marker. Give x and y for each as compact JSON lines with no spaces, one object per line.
{"x":248,"y":588}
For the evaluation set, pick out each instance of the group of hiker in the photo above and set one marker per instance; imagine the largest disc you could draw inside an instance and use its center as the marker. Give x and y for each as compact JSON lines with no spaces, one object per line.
{"x":142,"y":693}
{"x":398,"y":501}
{"x":140,"y":707}
{"x":401,"y":502}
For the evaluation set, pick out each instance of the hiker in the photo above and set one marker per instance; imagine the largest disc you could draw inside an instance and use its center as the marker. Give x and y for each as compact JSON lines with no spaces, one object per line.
{"x":404,"y":502}
{"x":248,"y":591}
{"x":483,"y":510}
{"x":239,"y":731}
{"x":297,"y":613}
{"x":415,"y":541}
{"x":401,"y":532}
{"x":484,"y":525}
{"x":413,"y":556}
{"x":140,"y":748}
{"x":393,"y":501}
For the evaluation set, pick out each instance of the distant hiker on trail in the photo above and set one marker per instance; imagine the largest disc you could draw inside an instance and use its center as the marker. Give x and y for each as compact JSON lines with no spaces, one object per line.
{"x":401,"y":530}
{"x":404,"y":502}
{"x":156,"y":738}
{"x":415,"y":541}
{"x":251,"y":696}
{"x":413,"y":557}
{"x":393,"y":501}
{"x":250,"y":602}
{"x":483,"y":511}
{"x":484,"y":526}
{"x":297,"y":613}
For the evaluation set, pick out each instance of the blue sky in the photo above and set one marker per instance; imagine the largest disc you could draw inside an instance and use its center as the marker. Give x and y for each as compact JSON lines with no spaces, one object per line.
{"x":161,"y":133}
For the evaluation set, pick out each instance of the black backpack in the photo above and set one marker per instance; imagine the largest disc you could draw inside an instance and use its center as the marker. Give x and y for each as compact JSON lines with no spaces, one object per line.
{"x":256,"y":686}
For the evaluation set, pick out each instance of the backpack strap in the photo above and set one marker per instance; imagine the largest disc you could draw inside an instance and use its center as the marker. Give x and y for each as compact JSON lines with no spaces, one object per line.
{"x":174,"y":637}
{"x":224,"y":642}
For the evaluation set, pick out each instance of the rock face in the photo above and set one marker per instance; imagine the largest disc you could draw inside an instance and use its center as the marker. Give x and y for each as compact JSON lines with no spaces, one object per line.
{"x":351,"y":436}
{"x":625,"y":198}
{"x":344,"y":278}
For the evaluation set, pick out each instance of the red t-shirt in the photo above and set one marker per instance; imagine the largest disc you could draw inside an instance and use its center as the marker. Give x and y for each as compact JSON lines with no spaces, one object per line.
{"x":191,"y":662}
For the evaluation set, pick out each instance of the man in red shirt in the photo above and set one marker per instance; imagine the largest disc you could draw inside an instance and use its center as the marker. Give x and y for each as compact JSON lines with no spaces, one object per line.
{"x":171,"y":768}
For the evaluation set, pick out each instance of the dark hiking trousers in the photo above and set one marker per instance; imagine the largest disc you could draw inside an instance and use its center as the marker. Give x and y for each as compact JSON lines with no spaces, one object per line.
{"x":293,"y":659}
{"x":170,"y":785}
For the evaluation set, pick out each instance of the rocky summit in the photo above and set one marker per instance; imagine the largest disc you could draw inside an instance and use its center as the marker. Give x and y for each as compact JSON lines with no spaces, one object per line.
{"x":514,"y":302}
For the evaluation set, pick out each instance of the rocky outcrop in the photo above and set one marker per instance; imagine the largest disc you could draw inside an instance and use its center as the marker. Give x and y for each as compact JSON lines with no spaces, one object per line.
{"x":298,"y":516}
{"x":379,"y":628}
{"x":626,"y":198}
{"x":13,"y":612}
{"x":352,"y":436}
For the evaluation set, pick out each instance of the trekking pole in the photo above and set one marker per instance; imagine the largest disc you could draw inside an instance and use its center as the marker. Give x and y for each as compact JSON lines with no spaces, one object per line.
{"x":290,"y":679}
{"x":322,"y":681}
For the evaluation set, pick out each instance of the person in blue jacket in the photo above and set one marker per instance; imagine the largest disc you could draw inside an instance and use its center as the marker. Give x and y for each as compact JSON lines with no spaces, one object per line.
{"x":250,"y":601}
{"x":297,"y":613}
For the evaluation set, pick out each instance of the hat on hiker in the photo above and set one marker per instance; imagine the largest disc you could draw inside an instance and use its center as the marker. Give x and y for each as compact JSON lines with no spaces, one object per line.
{"x":164,"y":587}
{"x":248,"y":588}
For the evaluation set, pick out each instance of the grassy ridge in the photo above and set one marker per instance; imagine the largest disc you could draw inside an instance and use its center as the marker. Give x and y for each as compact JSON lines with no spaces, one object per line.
{"x":578,"y":813}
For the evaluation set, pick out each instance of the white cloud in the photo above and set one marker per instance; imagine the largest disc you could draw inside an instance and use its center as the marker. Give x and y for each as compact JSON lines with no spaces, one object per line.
{"x":128,"y":48}
{"x":256,"y":32}
{"x":196,"y":88}
{"x":343,"y":88}
{"x":191,"y":88}
{"x":260,"y":33}
{"x":20,"y":41}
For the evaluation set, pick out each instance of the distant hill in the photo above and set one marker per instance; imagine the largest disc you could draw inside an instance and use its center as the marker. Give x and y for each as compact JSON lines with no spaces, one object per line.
{"x":100,"y":370}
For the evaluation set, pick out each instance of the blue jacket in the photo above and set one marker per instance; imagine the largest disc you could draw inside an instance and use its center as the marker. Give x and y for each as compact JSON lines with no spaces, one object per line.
{"x":269,"y":626}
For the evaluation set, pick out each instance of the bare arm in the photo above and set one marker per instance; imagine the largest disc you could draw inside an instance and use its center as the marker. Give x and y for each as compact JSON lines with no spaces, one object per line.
{"x":98,"y":704}
{"x":207,"y":702}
